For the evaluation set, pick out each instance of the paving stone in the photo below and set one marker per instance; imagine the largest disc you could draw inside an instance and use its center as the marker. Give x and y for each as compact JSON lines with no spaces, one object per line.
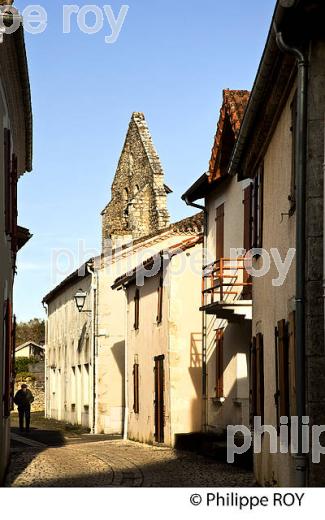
{"x":120,"y":464}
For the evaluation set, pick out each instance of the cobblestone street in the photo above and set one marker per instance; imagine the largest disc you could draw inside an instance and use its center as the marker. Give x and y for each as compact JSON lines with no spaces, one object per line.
{"x":119,"y":463}
{"x":55,"y":454}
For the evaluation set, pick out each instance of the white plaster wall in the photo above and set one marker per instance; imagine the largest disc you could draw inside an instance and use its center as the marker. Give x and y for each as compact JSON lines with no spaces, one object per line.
{"x":6,"y":281}
{"x":173,"y":339}
{"x":272,"y":304}
{"x":185,"y":342}
{"x":112,"y":329}
{"x":237,"y":337}
{"x":68,"y":354}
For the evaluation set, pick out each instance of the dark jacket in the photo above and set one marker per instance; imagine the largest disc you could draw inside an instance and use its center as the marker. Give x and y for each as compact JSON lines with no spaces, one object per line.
{"x":23,"y":399}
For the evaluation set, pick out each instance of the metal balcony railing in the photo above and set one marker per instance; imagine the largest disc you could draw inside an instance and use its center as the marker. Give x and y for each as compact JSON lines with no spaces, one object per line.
{"x":226,"y":280}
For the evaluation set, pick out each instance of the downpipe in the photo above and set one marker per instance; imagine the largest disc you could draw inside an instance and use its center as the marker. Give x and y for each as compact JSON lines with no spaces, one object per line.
{"x":301,"y":460}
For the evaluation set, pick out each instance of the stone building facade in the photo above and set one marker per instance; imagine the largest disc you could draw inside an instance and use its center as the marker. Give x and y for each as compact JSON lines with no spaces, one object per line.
{"x":15,"y":160}
{"x":281,"y":147}
{"x":138,"y":205}
{"x":85,"y":352}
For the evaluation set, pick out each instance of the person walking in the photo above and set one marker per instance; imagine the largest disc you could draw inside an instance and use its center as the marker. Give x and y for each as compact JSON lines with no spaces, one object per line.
{"x":23,"y":399}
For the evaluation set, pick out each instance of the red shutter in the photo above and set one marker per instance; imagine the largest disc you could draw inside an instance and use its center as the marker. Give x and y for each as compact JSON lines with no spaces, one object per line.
{"x":8,"y":357}
{"x":257,"y":208}
{"x":220,"y":232}
{"x":259,"y":223}
{"x":248,"y":192}
{"x":283,"y":369}
{"x":219,"y":363}
{"x":260,"y":377}
{"x":160,"y":300}
{"x":7,"y":174}
{"x":136,"y":388}
{"x":136,"y":309}
{"x":14,"y":210}
{"x":247,"y":291}
{"x":253,"y":382}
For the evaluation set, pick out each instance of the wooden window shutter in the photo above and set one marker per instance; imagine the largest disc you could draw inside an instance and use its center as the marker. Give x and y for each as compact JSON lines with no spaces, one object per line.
{"x":220,"y":232}
{"x":8,"y":358}
{"x":253,"y":382}
{"x":136,"y":309}
{"x":283,"y":369}
{"x":7,"y":174}
{"x":257,"y":208}
{"x":160,"y":300}
{"x":292,"y":363}
{"x":14,"y":209}
{"x":248,"y":192}
{"x":136,"y":388}
{"x":247,"y":290}
{"x":219,"y":363}
{"x":260,"y":206}
{"x":260,"y":377}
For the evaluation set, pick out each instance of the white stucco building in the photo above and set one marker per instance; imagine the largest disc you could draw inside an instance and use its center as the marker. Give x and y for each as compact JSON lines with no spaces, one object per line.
{"x":163,"y":343}
{"x":15,"y":160}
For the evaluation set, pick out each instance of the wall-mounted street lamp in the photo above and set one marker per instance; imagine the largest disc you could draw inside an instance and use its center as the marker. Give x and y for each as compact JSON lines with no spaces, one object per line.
{"x":80,"y":298}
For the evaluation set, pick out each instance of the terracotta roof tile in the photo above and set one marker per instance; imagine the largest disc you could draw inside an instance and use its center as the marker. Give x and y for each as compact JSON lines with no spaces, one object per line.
{"x":233,"y":108}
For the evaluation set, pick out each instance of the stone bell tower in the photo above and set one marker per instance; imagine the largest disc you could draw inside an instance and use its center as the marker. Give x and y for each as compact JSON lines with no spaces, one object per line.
{"x":138,"y":205}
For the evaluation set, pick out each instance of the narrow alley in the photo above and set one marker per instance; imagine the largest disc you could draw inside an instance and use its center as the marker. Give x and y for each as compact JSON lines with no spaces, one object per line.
{"x":67,"y":458}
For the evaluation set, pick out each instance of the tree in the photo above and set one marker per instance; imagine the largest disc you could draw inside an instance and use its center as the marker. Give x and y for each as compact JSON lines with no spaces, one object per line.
{"x":33,"y":330}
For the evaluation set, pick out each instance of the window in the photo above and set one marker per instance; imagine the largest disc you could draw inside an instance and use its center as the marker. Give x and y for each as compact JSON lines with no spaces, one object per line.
{"x":160,"y":300}
{"x":136,"y":388}
{"x":292,"y":196}
{"x":219,"y":363}
{"x":285,"y":394}
{"x":136,"y":309}
{"x":257,"y":209}
{"x":257,"y":379}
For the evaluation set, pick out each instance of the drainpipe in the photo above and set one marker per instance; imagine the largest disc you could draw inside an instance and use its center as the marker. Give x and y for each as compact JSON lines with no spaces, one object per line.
{"x":204,"y":318}
{"x":94,"y":346}
{"x":324,"y":223}
{"x":300,"y":168}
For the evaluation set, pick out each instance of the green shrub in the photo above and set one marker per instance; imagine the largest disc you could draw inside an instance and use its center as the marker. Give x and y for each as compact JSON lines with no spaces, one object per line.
{"x":21,"y":363}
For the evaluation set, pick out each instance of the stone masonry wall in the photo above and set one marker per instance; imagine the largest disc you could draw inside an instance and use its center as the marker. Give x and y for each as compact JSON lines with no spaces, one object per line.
{"x":138,"y":205}
{"x":36,"y":384}
{"x":315,"y":349}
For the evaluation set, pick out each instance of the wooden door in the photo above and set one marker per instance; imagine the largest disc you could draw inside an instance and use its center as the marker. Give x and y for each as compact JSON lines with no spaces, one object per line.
{"x":247,"y":279}
{"x":159,"y":399}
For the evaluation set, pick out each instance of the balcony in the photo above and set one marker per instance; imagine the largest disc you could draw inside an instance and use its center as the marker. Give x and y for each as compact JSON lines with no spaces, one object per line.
{"x":227,"y":290}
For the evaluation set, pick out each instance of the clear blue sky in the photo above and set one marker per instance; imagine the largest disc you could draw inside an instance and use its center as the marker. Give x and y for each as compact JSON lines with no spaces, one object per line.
{"x":171,"y":61}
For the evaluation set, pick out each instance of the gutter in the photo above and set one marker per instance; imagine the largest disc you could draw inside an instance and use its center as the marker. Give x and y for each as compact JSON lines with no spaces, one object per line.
{"x":204,"y":317}
{"x":300,"y":168}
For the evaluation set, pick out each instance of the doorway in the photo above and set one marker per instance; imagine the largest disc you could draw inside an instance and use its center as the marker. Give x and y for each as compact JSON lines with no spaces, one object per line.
{"x":159,"y":399}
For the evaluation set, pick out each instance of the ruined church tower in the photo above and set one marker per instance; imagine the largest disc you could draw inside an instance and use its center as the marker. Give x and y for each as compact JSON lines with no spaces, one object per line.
{"x":138,"y":205}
